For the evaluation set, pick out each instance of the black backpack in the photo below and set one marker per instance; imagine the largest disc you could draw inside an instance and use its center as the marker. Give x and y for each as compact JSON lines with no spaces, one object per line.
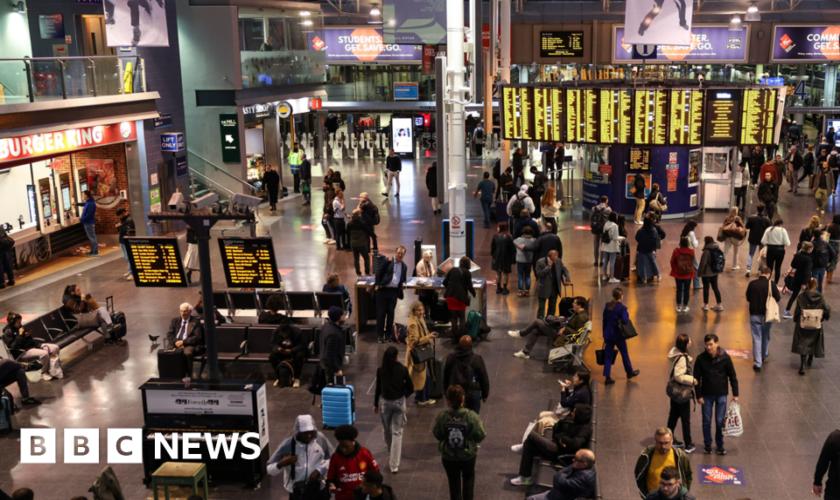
{"x":463,"y":375}
{"x":605,"y":237}
{"x":821,"y":255}
{"x":598,"y":220}
{"x":6,"y":243}
{"x":717,"y":260}
{"x":285,"y":374}
{"x":517,"y":207}
{"x":456,"y":431}
{"x":374,"y":210}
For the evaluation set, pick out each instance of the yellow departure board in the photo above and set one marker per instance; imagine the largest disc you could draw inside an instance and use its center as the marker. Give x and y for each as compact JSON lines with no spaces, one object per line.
{"x":589,"y":119}
{"x":155,"y":262}
{"x":758,"y":116}
{"x":723,"y":116}
{"x":574,"y":114}
{"x":639,"y":159}
{"x":561,"y":43}
{"x":526,"y":113}
{"x":556,"y":115}
{"x":686,"y":127}
{"x":510,"y":113}
{"x":540,"y":114}
{"x":616,"y":116}
{"x":650,"y":125}
{"x":249,"y":262}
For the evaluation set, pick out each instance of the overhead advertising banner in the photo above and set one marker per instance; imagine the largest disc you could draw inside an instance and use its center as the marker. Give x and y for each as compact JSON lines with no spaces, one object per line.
{"x":806,"y":43}
{"x":350,"y":46}
{"x":658,"y":22}
{"x":127,"y":25}
{"x":414,"y":21}
{"x":708,"y":44}
{"x":401,"y":135}
{"x":50,"y":143}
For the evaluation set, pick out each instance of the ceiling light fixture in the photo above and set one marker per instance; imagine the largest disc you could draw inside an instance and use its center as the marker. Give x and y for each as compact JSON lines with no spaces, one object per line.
{"x":375,"y":15}
{"x":305,"y":13}
{"x":752,"y":13}
{"x":306,"y":22}
{"x":735,"y":23}
{"x":20,"y":7}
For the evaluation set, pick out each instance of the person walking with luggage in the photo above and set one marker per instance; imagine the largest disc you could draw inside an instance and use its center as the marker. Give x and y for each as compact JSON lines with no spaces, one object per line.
{"x":683,"y":271}
{"x":390,"y":282}
{"x":465,"y":368}
{"x":393,"y":167}
{"x":829,"y":461}
{"x":734,"y":233}
{"x":610,"y":246}
{"x":271,"y":181}
{"x":306,"y":180}
{"x":418,"y":334}
{"x":714,"y":372}
{"x":638,"y":191}
{"x":823,"y":255}
{"x":88,"y":220}
{"x":758,"y":292}
{"x":348,"y":464}
{"x":756,"y":225}
{"x":294,"y":166}
{"x":801,"y":266}
{"x":680,"y":390}
{"x":360,"y":236}
{"x":503,"y":253}
{"x":332,"y":345}
{"x":615,"y":312}
{"x":646,"y":239}
{"x":431,"y":186}
{"x":823,"y":184}
{"x":712,"y":263}
{"x":812,"y":311}
{"x":458,"y":284}
{"x":486,"y":188}
{"x":552,"y":277}
{"x":126,"y":229}
{"x":393,"y":386}
{"x":339,"y":217}
{"x":525,"y":246}
{"x":597,"y":220}
{"x":776,"y":238}
{"x":302,"y":460}
{"x":654,"y":459}
{"x":767,"y":193}
{"x":459,"y":431}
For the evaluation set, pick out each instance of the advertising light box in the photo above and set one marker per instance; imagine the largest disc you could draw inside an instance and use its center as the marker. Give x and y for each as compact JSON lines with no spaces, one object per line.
{"x":709,"y":44}
{"x":350,"y":46}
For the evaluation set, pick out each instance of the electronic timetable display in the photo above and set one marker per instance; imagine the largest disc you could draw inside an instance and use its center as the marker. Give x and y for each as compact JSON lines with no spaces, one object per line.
{"x":639,"y":159}
{"x":616,"y":116}
{"x":723,"y":117}
{"x":561,"y":43}
{"x":526,"y":113}
{"x":556,"y":115}
{"x":510,"y":112}
{"x":758,"y":116}
{"x":249,"y":262}
{"x":686,"y":128}
{"x":155,"y":262}
{"x":574,"y":115}
{"x":590,"y":118}
{"x":650,"y":125}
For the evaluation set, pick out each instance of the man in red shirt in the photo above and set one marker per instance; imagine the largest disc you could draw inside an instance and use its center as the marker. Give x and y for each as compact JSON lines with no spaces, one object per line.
{"x":348,"y":464}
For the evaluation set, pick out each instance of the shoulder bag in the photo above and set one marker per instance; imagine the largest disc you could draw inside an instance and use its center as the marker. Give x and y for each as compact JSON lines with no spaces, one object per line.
{"x":680,"y":393}
{"x":811,"y":319}
{"x":422,"y":353}
{"x":772,"y":314}
{"x":627,"y":330}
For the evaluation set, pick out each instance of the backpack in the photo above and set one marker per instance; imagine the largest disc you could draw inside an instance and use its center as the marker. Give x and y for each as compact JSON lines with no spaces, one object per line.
{"x":455,"y":431}
{"x":717,"y":259}
{"x":517,"y":206}
{"x":6,"y":243}
{"x":374,"y":210}
{"x":285,"y":374}
{"x":821,"y":256}
{"x":598,"y":220}
{"x":463,"y":375}
{"x":810,"y":319}
{"x":685,"y":264}
{"x":605,"y":237}
{"x":497,"y":169}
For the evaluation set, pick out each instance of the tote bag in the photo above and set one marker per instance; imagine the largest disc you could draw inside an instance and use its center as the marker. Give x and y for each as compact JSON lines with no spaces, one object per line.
{"x":733,"y":426}
{"x":772,"y":314}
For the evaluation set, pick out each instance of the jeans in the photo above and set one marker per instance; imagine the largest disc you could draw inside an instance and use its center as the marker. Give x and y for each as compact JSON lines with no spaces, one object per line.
{"x":552,"y":305}
{"x":422,"y":395}
{"x":125,"y":254}
{"x":461,"y":476}
{"x":535,"y":330}
{"x":696,"y":280}
{"x":609,"y":345}
{"x":393,"y":415}
{"x":341,"y":236}
{"x":719,"y":403}
{"x":386,"y":303}
{"x":328,"y":228}
{"x":775,"y":257}
{"x":307,"y":196}
{"x":753,"y":248}
{"x":647,"y":265}
{"x":597,"y":242}
{"x":485,"y":206}
{"x":819,"y":275}
{"x":681,"y":411}
{"x":524,"y":271}
{"x":608,"y":262}
{"x":536,"y":445}
{"x":760,"y":330}
{"x":365,"y":255}
{"x":6,"y":269}
{"x":683,"y":286}
{"x":710,"y":282}
{"x":90,"y":231}
{"x":473,"y":402}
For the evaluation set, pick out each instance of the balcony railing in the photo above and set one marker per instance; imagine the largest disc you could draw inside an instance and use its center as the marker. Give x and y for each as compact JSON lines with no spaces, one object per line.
{"x":41,"y":79}
{"x":282,"y":67}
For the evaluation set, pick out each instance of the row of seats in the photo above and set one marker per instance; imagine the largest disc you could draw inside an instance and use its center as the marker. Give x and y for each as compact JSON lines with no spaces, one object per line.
{"x":62,"y":331}
{"x":294,"y":304}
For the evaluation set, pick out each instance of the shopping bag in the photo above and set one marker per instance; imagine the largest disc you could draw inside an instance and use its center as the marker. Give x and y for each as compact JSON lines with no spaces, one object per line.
{"x":601,"y":356}
{"x":733,"y":426}
{"x":772,"y":313}
{"x":55,"y":368}
{"x":528,"y":430}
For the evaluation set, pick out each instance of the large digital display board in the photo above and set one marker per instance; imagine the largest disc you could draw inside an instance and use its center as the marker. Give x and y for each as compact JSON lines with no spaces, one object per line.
{"x":351,"y":46}
{"x":574,"y":115}
{"x":686,"y":117}
{"x":616,"y":116}
{"x":758,"y":116}
{"x":639,"y":159}
{"x":561,"y":43}
{"x":402,"y":135}
{"x":723,"y":116}
{"x":249,"y":262}
{"x":155,"y":262}
{"x":650,"y":123}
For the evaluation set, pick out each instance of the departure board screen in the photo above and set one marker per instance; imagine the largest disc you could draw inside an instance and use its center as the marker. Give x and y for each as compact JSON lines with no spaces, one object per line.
{"x":590,"y":122}
{"x":249,"y":262}
{"x":155,"y":262}
{"x":758,"y":116}
{"x":723,"y":117}
{"x":540,"y":114}
{"x":639,"y":159}
{"x":561,"y":43}
{"x":650,"y":125}
{"x":555,"y":115}
{"x":510,"y":113}
{"x":686,"y":127}
{"x":574,"y":112}
{"x":526,"y":113}
{"x":616,"y":116}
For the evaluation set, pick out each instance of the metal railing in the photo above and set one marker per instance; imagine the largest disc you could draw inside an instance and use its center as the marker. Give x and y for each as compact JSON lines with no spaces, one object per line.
{"x":38,"y":79}
{"x":222,"y":170}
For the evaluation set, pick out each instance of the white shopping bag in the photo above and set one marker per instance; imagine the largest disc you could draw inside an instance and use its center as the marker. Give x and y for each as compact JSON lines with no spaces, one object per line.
{"x":55,"y":368}
{"x":733,"y":426}
{"x":528,"y":430}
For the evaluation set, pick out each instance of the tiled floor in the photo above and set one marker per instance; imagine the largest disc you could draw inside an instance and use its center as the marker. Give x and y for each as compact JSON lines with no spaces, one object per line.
{"x":786,"y":416}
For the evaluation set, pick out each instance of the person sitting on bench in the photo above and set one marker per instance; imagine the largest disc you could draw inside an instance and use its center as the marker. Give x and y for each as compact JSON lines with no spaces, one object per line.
{"x":559,"y":330}
{"x":16,"y":337}
{"x":272,"y":317}
{"x":87,"y":313}
{"x":186,"y":332}
{"x":10,"y":372}
{"x":287,"y":344}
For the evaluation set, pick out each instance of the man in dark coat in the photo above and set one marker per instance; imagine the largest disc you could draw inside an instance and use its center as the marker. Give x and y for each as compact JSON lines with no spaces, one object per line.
{"x":756,"y":161}
{"x":287,"y":344}
{"x":466,"y":368}
{"x":332,"y":344}
{"x":829,"y":461}
{"x":186,"y":333}
{"x":551,"y":276}
{"x":390,"y":281}
{"x":547,"y":242}
{"x":271,"y":181}
{"x":306,"y":177}
{"x":431,"y":185}
{"x":767,"y":194}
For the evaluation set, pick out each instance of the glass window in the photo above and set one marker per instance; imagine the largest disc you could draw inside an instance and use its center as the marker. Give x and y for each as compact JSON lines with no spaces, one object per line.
{"x":251,"y":34}
{"x":277,"y":33}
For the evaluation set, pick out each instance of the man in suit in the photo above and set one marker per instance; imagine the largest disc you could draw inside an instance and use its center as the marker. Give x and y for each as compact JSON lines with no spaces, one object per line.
{"x":390,"y":281}
{"x":187,"y":333}
{"x":551,"y":274}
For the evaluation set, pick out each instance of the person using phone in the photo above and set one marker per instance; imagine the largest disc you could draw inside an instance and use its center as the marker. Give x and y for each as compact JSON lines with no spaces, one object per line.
{"x":303,"y":460}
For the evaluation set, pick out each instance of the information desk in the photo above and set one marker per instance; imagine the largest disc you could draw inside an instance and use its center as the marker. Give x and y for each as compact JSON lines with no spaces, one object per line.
{"x":219,"y":408}
{"x":365,"y":303}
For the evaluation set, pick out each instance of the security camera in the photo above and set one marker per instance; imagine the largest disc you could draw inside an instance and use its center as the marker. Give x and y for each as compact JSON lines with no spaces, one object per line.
{"x":205,"y":201}
{"x":246,"y":203}
{"x":176,"y":202}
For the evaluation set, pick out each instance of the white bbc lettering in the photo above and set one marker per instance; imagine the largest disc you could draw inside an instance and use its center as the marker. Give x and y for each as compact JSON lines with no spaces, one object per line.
{"x":81,"y":446}
{"x":125,"y":446}
{"x":37,"y":446}
{"x":254,"y":447}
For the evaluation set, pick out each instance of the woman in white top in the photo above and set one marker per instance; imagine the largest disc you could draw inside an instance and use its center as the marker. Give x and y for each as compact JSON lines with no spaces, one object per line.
{"x":741,"y":181}
{"x":688,"y":232}
{"x":550,"y":209}
{"x":426,"y":269}
{"x":610,"y":248}
{"x":776,"y":239}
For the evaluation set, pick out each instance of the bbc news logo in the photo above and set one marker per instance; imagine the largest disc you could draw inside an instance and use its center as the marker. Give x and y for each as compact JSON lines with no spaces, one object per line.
{"x":125,"y":446}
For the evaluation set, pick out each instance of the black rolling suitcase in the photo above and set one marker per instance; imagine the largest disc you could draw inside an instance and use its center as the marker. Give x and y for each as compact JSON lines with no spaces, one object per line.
{"x":622,"y":263}
{"x":172,"y":364}
{"x":117,"y":317}
{"x":440,"y":311}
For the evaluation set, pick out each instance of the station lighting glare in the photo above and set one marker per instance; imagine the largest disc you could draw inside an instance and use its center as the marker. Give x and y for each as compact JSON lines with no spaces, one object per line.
{"x":374,"y":11}
{"x":752,"y":13}
{"x":305,"y":13}
{"x":306,"y":22}
{"x":20,"y":7}
{"x":735,"y":23}
{"x":375,"y":15}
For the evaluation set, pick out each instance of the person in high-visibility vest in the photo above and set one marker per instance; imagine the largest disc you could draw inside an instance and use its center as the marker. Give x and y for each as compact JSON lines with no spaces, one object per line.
{"x":294,"y":164}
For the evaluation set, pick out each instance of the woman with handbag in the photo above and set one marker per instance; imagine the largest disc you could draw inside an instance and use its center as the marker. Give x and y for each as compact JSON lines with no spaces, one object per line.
{"x":550,"y":209}
{"x":656,"y":202}
{"x":16,"y":337}
{"x":734,"y":234}
{"x":614,"y":313}
{"x":418,"y":337}
{"x":394,"y":385}
{"x":681,"y":390}
{"x":458,"y":284}
{"x":812,"y":311}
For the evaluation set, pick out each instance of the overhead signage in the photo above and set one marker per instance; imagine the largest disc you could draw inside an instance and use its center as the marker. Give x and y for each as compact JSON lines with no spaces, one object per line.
{"x":172,"y":142}
{"x":229,"y":128}
{"x":414,"y":21}
{"x":650,"y":117}
{"x":639,"y":159}
{"x":616,"y":116}
{"x":758,"y":116}
{"x":707,"y":44}
{"x":249,"y":262}
{"x":51,"y":143}
{"x":162,"y":121}
{"x":258,"y":112}
{"x":723,"y":116}
{"x":775,"y":81}
{"x":686,"y":116}
{"x":806,"y":43}
{"x":316,"y":103}
{"x":561,"y":44}
{"x":284,"y":110}
{"x":404,"y":91}
{"x":180,"y":402}
{"x":155,"y":262}
{"x":51,"y":26}
{"x":350,"y":46}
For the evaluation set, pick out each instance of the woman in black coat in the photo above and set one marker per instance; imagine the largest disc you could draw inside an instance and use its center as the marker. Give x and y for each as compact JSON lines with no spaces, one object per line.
{"x":458,"y":283}
{"x":431,"y":185}
{"x":503,"y":252}
{"x":809,"y":342}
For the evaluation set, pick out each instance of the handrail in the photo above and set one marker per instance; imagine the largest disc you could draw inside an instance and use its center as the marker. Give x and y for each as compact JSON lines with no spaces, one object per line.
{"x":220,"y":169}
{"x":211,"y":181}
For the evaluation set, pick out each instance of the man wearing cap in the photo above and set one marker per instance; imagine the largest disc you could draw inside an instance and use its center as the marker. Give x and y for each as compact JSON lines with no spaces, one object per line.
{"x":332,"y":344}
{"x":303,"y":458}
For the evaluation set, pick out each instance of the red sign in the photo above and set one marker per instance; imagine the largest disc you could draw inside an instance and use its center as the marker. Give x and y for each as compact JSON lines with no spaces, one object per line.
{"x":52,"y":143}
{"x":429,"y":54}
{"x":56,"y":164}
{"x":605,"y":169}
{"x":316,"y":103}
{"x":672,"y":184}
{"x":672,"y":173}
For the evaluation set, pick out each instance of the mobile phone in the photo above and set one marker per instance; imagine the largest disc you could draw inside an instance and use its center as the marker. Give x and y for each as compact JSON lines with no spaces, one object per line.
{"x":562,"y":382}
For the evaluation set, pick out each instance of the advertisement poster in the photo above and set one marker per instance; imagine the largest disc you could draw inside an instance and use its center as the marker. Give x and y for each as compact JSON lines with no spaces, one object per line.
{"x":806,"y":43}
{"x":707,"y":43}
{"x":694,"y":168}
{"x":405,"y":91}
{"x":712,"y":474}
{"x":629,"y":185}
{"x":672,"y":173}
{"x":102,"y":182}
{"x":127,"y":25}
{"x":401,"y":135}
{"x":659,"y":22}
{"x":51,"y":26}
{"x":414,"y":21}
{"x":362,"y":44}
{"x":199,"y":402}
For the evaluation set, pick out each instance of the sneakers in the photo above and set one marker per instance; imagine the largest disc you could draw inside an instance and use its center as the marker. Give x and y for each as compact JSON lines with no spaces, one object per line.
{"x":521,"y":355}
{"x":677,"y":444}
{"x":296,"y":384}
{"x":521,"y":481}
{"x":604,"y":278}
{"x":787,"y":315}
{"x":705,"y":307}
{"x":718,"y":308}
{"x":126,"y":275}
{"x":394,"y":470}
{"x":756,"y":369}
{"x":381,"y":340}
{"x":46,"y":376}
{"x":429,"y":402}
{"x":685,"y":309}
{"x":679,"y":309}
{"x":707,"y":449}
{"x":748,"y":273}
{"x":517,"y":448}
{"x":690,"y":448}
{"x":129,"y":277}
{"x":330,"y":242}
{"x":736,"y":268}
{"x":614,"y":281}
{"x":514,"y":333}
{"x":721,"y":451}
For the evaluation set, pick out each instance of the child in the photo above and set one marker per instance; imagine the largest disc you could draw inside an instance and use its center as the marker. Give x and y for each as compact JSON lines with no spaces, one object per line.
{"x":348,"y":464}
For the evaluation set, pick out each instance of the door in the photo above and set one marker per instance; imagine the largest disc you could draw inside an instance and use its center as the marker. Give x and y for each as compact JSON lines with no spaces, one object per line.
{"x":93,"y":37}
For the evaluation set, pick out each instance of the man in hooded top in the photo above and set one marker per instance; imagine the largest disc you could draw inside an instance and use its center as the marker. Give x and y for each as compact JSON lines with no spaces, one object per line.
{"x":304,"y":457}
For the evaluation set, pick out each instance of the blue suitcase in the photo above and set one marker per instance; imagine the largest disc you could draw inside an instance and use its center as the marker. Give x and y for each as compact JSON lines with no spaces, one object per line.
{"x":338,"y":403}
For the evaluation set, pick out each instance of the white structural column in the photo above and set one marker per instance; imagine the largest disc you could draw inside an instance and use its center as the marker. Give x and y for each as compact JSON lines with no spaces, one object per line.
{"x":505,"y":25}
{"x":455,"y":152}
